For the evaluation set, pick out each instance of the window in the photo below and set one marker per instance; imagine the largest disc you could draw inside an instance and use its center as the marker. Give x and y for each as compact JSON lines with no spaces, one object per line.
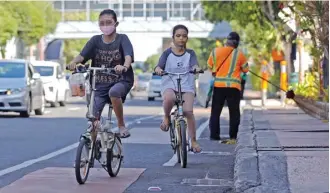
{"x":45,"y":70}
{"x":12,"y":70}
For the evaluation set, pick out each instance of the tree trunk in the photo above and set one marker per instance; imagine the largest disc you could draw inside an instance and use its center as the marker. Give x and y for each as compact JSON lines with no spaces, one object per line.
{"x":2,"y":51}
{"x":326,"y":72}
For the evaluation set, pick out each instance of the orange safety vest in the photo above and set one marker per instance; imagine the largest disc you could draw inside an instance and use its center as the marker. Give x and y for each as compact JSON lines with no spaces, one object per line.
{"x":229,"y":73}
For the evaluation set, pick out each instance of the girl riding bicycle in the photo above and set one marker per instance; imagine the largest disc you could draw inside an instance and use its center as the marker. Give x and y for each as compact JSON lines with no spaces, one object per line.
{"x":114,"y":51}
{"x":179,"y":59}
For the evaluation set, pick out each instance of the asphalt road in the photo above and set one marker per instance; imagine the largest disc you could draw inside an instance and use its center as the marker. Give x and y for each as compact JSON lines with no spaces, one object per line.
{"x":44,"y":145}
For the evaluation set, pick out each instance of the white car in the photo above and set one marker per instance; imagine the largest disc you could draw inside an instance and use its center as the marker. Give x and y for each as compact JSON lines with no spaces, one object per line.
{"x":56,"y":86}
{"x":154,"y":89}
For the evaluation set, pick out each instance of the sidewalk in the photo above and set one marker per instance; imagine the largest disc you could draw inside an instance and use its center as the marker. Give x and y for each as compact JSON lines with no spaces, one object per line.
{"x":281,"y":150}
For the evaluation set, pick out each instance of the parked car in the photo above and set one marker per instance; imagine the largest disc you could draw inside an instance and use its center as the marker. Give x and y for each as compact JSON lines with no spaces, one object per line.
{"x":154,"y":89}
{"x":142,"y":82}
{"x":56,"y":86}
{"x":21,"y":89}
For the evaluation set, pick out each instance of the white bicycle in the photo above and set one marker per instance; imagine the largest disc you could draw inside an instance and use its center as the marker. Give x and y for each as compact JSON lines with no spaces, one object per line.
{"x":99,"y":141}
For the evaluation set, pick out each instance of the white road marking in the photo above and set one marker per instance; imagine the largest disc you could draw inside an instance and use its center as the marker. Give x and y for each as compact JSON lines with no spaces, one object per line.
{"x":56,"y":153}
{"x":47,"y":112}
{"x":199,"y":131}
{"x":74,"y":108}
{"x":201,"y":128}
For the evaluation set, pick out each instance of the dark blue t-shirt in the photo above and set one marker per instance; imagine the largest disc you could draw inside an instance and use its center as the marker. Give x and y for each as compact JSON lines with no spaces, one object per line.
{"x":110,"y":55}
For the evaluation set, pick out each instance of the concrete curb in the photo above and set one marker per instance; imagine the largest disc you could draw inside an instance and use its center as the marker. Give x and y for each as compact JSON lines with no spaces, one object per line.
{"x":258,"y":171}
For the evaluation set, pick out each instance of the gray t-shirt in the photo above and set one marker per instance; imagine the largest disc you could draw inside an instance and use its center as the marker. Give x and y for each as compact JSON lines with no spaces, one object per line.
{"x":110,"y":55}
{"x":171,"y":62}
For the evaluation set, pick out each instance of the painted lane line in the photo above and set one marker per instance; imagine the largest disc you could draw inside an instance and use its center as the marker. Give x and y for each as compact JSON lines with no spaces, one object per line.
{"x":58,"y":152}
{"x":199,"y":131}
{"x":74,"y":108}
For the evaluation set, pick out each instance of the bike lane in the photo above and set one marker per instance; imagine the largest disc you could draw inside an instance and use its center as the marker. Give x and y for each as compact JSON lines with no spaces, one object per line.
{"x":146,"y":152}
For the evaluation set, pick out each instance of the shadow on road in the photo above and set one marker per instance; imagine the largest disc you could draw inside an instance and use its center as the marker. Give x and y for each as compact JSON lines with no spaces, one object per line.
{"x":16,"y":115}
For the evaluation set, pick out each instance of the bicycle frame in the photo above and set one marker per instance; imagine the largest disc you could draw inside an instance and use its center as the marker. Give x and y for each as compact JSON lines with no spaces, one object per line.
{"x":102,"y":132}
{"x":179,"y":100}
{"x":178,"y":113}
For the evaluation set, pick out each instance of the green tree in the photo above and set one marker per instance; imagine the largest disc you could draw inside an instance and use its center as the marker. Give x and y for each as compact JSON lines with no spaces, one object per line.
{"x":262,"y":29}
{"x":202,"y":48}
{"x":35,"y":19}
{"x":73,"y":47}
{"x":152,"y":61}
{"x":8,"y":28}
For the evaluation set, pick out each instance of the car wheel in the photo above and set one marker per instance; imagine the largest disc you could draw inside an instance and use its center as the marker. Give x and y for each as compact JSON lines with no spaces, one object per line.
{"x":66,"y":96}
{"x":41,"y":110}
{"x":54,"y":104}
{"x":26,"y":113}
{"x":151,"y":98}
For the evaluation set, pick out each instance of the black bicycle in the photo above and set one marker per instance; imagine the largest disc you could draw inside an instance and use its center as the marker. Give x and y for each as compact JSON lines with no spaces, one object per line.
{"x":178,"y":126}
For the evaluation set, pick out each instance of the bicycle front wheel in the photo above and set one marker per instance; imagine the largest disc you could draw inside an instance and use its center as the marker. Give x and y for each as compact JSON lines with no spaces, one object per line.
{"x":114,"y":157}
{"x":82,"y":164}
{"x":183,"y":145}
{"x":174,"y":139}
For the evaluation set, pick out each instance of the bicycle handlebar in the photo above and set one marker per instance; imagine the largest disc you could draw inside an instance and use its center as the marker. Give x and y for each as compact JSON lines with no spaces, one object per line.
{"x":85,"y":68}
{"x":178,"y":74}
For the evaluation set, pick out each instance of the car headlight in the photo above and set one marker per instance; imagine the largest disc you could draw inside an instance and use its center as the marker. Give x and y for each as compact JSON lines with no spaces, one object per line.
{"x":15,"y":91}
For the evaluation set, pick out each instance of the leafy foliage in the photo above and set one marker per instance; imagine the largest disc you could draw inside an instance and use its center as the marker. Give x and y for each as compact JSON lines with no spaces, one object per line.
{"x":73,"y":47}
{"x":202,"y":48}
{"x":152,"y":61}
{"x":263,"y":29}
{"x":8,"y":28}
{"x":258,"y":34}
{"x":32,"y":20}
{"x":310,"y":87}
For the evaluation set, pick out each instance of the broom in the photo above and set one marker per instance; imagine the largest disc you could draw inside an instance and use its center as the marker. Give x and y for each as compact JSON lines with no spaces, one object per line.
{"x":318,"y":111}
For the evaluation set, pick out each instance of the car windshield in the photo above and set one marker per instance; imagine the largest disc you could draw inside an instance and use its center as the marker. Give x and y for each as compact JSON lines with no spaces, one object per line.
{"x":44,"y":70}
{"x":12,"y":70}
{"x":156,"y":77}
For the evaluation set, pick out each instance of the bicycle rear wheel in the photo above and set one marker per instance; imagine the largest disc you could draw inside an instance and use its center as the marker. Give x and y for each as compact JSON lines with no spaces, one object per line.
{"x":83,"y":163}
{"x":114,"y":157}
{"x":183,"y":144}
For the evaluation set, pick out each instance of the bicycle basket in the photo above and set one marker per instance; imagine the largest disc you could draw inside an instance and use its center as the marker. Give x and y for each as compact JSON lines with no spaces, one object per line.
{"x":77,"y":85}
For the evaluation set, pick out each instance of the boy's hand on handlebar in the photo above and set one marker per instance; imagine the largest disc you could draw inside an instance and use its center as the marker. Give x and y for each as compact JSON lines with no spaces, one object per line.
{"x":159,"y":71}
{"x":120,"y":69}
{"x":71,"y":66}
